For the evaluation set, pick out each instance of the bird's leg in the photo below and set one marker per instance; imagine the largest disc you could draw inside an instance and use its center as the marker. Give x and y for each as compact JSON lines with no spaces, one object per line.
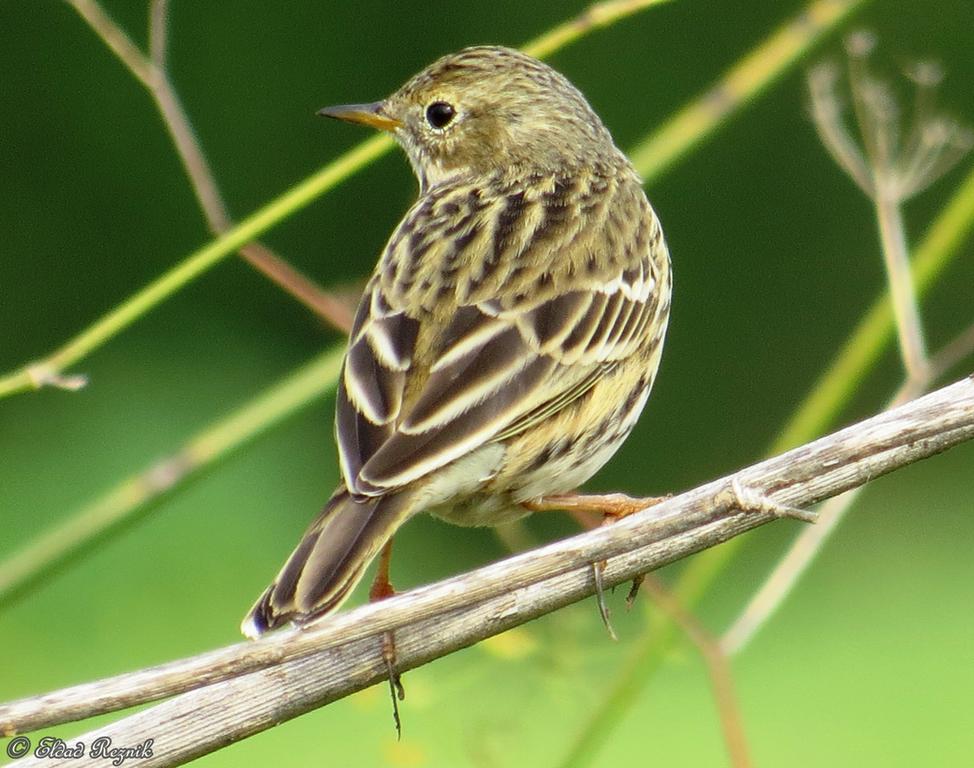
{"x":612,"y":506}
{"x":381,"y":586}
{"x":381,"y":589}
{"x":609,"y":505}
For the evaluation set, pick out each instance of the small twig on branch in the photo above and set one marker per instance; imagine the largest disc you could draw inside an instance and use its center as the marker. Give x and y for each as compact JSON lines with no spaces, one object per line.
{"x":251,"y":686}
{"x":800,"y":555}
{"x":889,"y":172}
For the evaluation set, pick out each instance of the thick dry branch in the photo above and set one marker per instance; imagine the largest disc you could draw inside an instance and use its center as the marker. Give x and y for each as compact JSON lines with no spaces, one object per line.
{"x":231,"y":693}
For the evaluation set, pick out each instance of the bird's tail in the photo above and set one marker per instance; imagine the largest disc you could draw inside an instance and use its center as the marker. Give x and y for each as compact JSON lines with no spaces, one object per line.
{"x":329,"y":561}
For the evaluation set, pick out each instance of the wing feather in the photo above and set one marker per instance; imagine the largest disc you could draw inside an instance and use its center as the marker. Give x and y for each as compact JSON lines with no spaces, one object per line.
{"x":457,"y":388}
{"x":425,"y":384}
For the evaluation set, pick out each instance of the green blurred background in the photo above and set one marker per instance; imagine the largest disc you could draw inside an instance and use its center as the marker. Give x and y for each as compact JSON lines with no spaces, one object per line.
{"x":871,"y":661}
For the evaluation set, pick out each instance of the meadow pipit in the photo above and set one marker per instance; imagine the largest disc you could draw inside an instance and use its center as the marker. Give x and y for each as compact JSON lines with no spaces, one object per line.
{"x":509,"y":337}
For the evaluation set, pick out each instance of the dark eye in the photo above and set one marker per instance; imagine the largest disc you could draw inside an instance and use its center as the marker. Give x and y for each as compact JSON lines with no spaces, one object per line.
{"x":439,"y":114}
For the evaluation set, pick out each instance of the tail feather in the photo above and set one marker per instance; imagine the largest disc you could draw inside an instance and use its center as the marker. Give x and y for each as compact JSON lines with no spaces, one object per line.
{"x":329,"y":561}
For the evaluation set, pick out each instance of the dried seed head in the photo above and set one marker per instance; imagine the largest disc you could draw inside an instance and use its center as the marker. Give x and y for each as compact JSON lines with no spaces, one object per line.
{"x":887,"y":164}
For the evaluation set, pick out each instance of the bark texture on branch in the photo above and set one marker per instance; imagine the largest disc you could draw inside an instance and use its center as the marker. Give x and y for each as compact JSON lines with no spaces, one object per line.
{"x":231,"y":693}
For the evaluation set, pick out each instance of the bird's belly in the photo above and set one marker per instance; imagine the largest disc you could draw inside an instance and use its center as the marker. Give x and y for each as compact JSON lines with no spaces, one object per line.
{"x":481,"y":510}
{"x":560,"y":464}
{"x":590,"y":451}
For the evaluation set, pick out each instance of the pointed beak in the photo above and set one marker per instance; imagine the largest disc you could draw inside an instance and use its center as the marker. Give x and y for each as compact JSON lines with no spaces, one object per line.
{"x":363,"y":114}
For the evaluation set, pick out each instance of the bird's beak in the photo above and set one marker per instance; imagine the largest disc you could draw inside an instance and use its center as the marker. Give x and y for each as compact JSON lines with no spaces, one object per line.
{"x":372,"y":115}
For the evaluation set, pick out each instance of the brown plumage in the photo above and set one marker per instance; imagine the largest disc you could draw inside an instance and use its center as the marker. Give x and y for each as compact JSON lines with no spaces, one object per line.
{"x":509,"y":337}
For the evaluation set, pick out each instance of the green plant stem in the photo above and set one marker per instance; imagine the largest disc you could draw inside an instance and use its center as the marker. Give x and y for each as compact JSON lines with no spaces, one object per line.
{"x":37,"y":374}
{"x":892,"y":235}
{"x":118,"y":505}
{"x":597,"y":16}
{"x":108,"y":512}
{"x":873,"y":333}
{"x":745,"y":80}
{"x":825,"y":402}
{"x":49,"y":370}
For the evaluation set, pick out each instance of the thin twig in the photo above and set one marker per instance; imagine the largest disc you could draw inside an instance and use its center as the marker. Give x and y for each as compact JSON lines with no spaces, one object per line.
{"x":717,"y":665}
{"x":112,"y":509}
{"x":714,"y":659}
{"x":285,"y":674}
{"x":827,"y":119}
{"x":800,"y":555}
{"x":952,"y":354}
{"x":115,"y":38}
{"x":654,"y":155}
{"x":152,"y":73}
{"x":596,"y":16}
{"x":159,"y":32}
{"x":889,"y":215}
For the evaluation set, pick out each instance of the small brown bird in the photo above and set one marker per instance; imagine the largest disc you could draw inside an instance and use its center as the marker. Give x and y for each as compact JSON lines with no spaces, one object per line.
{"x":511,"y":332}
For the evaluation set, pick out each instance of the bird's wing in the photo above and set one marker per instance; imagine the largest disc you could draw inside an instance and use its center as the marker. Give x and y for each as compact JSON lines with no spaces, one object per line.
{"x":531,"y":326}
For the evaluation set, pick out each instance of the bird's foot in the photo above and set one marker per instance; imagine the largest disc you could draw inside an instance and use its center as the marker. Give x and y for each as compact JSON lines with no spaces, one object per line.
{"x":382,"y":589}
{"x":612,"y":507}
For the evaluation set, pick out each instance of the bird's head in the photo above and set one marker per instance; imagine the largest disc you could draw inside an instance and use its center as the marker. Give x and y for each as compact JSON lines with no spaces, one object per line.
{"x":483,"y":110}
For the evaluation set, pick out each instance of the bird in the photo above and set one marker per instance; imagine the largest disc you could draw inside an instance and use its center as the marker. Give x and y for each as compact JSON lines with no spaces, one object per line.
{"x":507,"y":341}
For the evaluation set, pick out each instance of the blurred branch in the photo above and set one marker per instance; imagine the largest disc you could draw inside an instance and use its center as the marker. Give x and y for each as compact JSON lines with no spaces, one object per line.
{"x":669,"y":142}
{"x":249,"y":687}
{"x":596,"y":16}
{"x":714,"y":659}
{"x":743,"y":82}
{"x":152,"y":73}
{"x":821,"y":406}
{"x":717,"y":665}
{"x":158,"y":32}
{"x":889,"y":172}
{"x":800,"y":555}
{"x":20,"y":572}
{"x":118,"y":505}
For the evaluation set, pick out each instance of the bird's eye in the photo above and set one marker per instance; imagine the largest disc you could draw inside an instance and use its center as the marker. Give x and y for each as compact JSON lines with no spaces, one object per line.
{"x":439,"y":114}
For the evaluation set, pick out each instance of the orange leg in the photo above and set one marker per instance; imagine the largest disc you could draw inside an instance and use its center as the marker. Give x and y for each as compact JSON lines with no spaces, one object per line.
{"x":381,"y":586}
{"x":612,"y":506}
{"x":381,"y":589}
